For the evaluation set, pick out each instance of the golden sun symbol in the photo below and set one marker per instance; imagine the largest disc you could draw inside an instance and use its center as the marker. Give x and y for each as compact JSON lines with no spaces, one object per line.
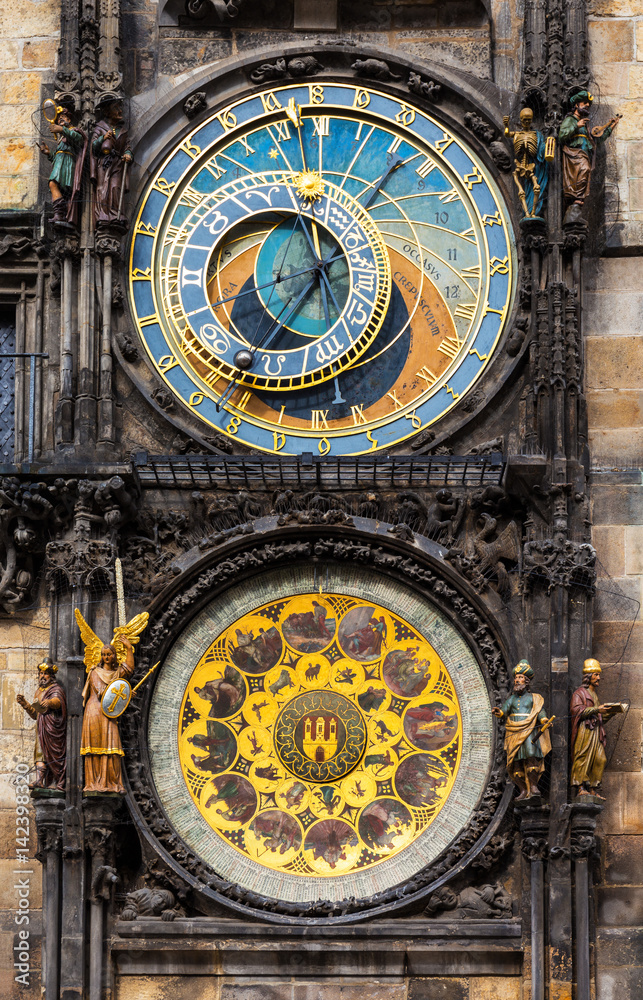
{"x":309,"y":185}
{"x":273,"y":154}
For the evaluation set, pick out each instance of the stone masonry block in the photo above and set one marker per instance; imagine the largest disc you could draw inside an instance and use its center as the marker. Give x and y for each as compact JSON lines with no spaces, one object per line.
{"x":616,"y":984}
{"x":613,"y":78}
{"x":11,"y":53}
{"x":635,"y":159}
{"x":8,"y":881}
{"x":639,"y":41}
{"x":16,"y":121}
{"x":634,"y":549}
{"x":615,"y":8}
{"x":615,"y":362}
{"x":8,"y":834}
{"x":612,"y":408}
{"x":633,"y":803}
{"x":13,"y":716}
{"x":166,"y":988}
{"x":631,"y":126}
{"x":494,"y":988}
{"x":373,"y":990}
{"x":17,"y":155}
{"x":617,"y":504}
{"x":20,"y":88}
{"x":618,"y":598}
{"x":611,"y":41}
{"x":616,"y":641}
{"x":610,"y":548}
{"x":610,"y":314}
{"x":608,"y":273}
{"x":256,"y":991}
{"x":40,"y":53}
{"x":623,"y":860}
{"x":620,"y":906}
{"x":438,"y":989}
{"x":617,"y":448}
{"x":636,"y":190}
{"x":30,"y":19}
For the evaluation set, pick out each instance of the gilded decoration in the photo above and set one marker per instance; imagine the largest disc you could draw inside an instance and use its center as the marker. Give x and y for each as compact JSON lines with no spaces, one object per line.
{"x":339,"y":734}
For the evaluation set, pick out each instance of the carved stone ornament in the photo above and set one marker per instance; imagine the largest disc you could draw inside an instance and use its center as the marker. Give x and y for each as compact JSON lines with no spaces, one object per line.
{"x":231,"y":567}
{"x":486,"y":902}
{"x":559,"y":562}
{"x":149,"y":902}
{"x":296,"y":67}
{"x":428,"y":89}
{"x":374,"y":69}
{"x":195,"y":104}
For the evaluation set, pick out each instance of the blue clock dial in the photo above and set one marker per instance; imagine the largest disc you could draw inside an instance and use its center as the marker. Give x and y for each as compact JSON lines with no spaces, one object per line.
{"x":321,"y":268}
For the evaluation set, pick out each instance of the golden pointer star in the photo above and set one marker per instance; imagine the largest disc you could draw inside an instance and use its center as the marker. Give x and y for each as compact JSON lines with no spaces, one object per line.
{"x":309,"y":185}
{"x":273,"y":154}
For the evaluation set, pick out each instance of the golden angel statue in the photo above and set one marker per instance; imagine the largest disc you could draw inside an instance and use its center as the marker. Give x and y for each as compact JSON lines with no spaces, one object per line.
{"x":106,"y":663}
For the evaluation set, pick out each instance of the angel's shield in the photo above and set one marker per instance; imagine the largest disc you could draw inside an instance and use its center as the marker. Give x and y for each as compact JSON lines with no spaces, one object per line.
{"x":116,"y":698}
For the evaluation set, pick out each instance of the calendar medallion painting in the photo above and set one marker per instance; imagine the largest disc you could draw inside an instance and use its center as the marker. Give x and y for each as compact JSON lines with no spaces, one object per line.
{"x":319,"y":735}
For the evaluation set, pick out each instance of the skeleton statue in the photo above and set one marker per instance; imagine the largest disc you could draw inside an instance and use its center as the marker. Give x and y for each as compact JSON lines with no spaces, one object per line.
{"x":531,"y":157}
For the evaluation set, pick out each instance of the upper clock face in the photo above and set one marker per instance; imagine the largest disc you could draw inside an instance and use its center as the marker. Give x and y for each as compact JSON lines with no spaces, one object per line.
{"x":321,"y":268}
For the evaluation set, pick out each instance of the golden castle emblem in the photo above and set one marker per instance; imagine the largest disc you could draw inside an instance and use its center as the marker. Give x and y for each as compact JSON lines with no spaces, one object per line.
{"x":320,"y":737}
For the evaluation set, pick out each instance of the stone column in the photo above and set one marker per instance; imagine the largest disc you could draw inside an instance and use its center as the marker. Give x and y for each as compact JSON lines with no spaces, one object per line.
{"x":583,"y":843}
{"x":50,"y":807}
{"x":101,"y":816}
{"x":533,"y":817}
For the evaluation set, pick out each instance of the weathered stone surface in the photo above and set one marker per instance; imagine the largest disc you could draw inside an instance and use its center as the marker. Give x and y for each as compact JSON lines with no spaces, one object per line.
{"x":613,"y":273}
{"x":20,"y":88}
{"x":615,"y":362}
{"x":438,"y":989}
{"x":468,"y":50}
{"x":177,"y":55}
{"x":623,"y":860}
{"x":17,"y":155}
{"x":166,"y":988}
{"x":612,"y":408}
{"x":607,"y":315}
{"x":620,"y":906}
{"x":40,"y":53}
{"x":618,"y":505}
{"x":617,"y":598}
{"x":615,"y":8}
{"x":333,"y":990}
{"x":611,"y":41}
{"x":619,"y":946}
{"x":614,"y":641}
{"x":494,"y":988}
{"x":634,"y":548}
{"x":8,"y":881}
{"x":610,"y":548}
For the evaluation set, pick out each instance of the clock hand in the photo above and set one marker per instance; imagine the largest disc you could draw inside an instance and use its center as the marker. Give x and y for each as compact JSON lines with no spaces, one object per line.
{"x":292,"y":111}
{"x":393,"y":165}
{"x":287,"y":277}
{"x":269,"y":334}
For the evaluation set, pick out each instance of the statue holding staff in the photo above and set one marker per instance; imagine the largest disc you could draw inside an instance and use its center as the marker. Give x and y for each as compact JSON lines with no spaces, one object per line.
{"x":527,"y":740}
{"x":49,"y":709}
{"x":110,"y":157}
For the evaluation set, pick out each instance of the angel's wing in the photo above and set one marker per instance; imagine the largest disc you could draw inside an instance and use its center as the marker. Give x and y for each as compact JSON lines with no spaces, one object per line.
{"x":93,"y":644}
{"x":131,"y":631}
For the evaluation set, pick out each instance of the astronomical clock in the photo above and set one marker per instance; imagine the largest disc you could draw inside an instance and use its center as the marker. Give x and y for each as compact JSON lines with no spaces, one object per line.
{"x":320,"y":744}
{"x":321,"y":268}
